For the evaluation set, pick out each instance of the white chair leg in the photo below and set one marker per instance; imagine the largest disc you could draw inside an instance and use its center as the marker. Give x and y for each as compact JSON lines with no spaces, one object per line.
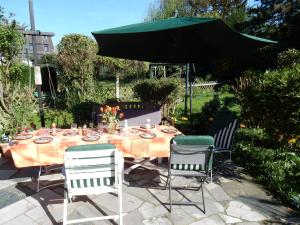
{"x":65,"y":212}
{"x":120,"y":204}
{"x":159,"y":160}
{"x":38,"y":180}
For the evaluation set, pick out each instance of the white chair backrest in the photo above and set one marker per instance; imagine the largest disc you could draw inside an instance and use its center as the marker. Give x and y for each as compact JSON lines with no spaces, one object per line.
{"x":92,"y":166}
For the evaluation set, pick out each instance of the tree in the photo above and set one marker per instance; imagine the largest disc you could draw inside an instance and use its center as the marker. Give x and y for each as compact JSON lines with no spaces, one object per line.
{"x":76,"y":56}
{"x":278,"y":19}
{"x":232,"y":11}
{"x":119,"y":67}
{"x":17,"y":103}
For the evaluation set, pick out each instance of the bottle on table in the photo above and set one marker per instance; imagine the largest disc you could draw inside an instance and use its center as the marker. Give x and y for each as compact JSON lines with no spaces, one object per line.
{"x":80,"y":131}
{"x":148,"y":126}
{"x":53,"y":127}
{"x":84,"y":130}
{"x":126,"y":127}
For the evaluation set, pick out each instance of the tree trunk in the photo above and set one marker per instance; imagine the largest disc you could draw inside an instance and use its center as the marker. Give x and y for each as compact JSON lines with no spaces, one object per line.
{"x":117,"y":86}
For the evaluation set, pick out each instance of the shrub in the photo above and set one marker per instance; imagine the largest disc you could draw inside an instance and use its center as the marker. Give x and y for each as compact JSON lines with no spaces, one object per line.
{"x":60,"y":117}
{"x":163,"y":92}
{"x":22,"y":107}
{"x":271,"y":101}
{"x":76,"y":56}
{"x":278,"y":169}
{"x":290,"y":57}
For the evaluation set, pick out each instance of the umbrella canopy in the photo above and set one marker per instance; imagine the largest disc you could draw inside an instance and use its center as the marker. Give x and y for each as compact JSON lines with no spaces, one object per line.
{"x":177,"y":40}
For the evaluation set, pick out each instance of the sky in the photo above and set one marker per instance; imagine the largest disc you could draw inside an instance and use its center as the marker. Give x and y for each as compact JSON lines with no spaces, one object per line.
{"x":77,"y":16}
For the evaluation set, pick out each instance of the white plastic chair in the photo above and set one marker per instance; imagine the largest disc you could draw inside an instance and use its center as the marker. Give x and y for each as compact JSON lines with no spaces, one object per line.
{"x":91,"y":170}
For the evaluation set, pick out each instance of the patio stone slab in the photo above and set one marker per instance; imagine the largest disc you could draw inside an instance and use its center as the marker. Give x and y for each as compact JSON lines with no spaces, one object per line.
{"x":143,"y":194}
{"x":7,"y":183}
{"x":248,"y":223}
{"x":215,"y":220}
{"x":157,"y":221}
{"x":10,"y":195}
{"x":163,"y":195}
{"x":134,"y":217}
{"x":111,"y":202}
{"x":240,"y":210}
{"x":211,"y":208}
{"x":77,"y":214}
{"x":229,"y":219}
{"x":21,"y":220}
{"x":217,"y":192}
{"x":14,"y":210}
{"x":45,"y":197}
{"x":6,"y":174}
{"x":150,"y":211}
{"x":39,"y":215}
{"x":87,"y":210}
{"x":179,"y":217}
{"x":196,"y":196}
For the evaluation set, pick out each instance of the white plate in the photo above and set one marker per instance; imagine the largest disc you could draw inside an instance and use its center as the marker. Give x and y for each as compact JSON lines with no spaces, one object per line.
{"x":43,"y":140}
{"x":148,"y":135}
{"x":91,"y":138}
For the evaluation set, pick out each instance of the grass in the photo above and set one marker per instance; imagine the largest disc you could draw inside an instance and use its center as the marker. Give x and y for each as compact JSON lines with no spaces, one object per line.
{"x":205,"y":96}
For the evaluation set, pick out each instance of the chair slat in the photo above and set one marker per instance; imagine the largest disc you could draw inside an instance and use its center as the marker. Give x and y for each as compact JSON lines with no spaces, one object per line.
{"x":89,"y":154}
{"x":92,"y":161}
{"x":88,"y":175}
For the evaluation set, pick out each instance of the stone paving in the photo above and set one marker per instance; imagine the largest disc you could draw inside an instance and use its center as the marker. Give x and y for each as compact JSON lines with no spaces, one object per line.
{"x":233,"y":198}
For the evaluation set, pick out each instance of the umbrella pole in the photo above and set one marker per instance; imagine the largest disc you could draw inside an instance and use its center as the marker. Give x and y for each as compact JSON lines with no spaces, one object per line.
{"x":186,"y":88}
{"x":191,"y":95}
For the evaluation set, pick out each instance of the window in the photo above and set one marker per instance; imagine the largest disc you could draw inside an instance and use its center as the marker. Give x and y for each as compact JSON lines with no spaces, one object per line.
{"x":46,"y":48}
{"x":30,"y":47}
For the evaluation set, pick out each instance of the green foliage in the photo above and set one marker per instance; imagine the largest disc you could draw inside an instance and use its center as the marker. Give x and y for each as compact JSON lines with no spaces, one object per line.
{"x":17,"y":104}
{"x":290,"y":57}
{"x":22,"y":107}
{"x":277,"y":19}
{"x":11,"y":41}
{"x":158,"y":91}
{"x":271,"y":101}
{"x":61,"y":118}
{"x":126,"y":70}
{"x":233,"y":12}
{"x":76,"y":56}
{"x":278,"y":169}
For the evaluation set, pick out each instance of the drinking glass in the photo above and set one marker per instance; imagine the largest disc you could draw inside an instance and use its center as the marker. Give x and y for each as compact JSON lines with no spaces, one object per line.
{"x":73,"y":128}
{"x":100,"y":128}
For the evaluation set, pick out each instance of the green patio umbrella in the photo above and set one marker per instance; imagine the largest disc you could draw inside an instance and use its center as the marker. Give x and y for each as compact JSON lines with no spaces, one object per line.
{"x":177,"y":40}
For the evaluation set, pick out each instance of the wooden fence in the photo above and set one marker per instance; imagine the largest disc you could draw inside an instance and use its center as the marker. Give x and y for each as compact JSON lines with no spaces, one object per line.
{"x":127,"y":94}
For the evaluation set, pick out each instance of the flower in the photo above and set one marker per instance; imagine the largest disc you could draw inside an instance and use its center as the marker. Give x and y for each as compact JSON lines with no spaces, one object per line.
{"x":110,"y":114}
{"x":210,"y":119}
{"x":184,"y":118}
{"x":242,"y":125}
{"x":292,"y":141}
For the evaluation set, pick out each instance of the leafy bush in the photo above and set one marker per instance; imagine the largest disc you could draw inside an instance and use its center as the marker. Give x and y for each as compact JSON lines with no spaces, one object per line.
{"x":60,"y":117}
{"x":162,"y":92}
{"x":271,"y":101}
{"x":290,"y":57}
{"x":22,"y":109}
{"x":278,"y":169}
{"x":76,"y":56}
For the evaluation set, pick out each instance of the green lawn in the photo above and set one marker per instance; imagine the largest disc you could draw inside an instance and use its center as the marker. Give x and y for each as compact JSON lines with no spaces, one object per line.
{"x":205,"y":96}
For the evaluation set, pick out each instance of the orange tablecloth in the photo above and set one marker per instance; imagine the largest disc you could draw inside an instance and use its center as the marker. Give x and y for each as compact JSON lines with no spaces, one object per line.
{"x":26,"y":153}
